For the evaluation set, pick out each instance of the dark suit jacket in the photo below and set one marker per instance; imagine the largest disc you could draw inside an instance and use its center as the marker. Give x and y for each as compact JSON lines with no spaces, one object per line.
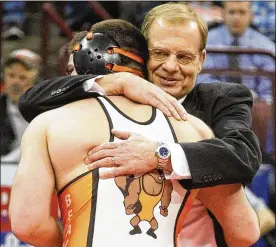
{"x":232,"y":157}
{"x":6,"y":130}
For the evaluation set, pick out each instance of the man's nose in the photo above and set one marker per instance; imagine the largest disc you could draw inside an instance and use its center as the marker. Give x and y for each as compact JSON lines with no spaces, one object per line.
{"x":171,"y":64}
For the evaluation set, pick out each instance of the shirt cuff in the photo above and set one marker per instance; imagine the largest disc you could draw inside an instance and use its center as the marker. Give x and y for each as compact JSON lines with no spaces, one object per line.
{"x":92,"y":86}
{"x":179,"y":162}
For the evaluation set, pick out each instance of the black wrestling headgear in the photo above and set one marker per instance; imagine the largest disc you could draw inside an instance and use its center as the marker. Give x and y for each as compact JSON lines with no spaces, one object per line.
{"x":99,"y":54}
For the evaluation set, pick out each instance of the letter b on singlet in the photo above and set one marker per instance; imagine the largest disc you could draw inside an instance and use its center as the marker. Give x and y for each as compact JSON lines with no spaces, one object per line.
{"x":68,"y":200}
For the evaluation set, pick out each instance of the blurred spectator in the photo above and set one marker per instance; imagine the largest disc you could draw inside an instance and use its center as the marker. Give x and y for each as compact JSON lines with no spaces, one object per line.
{"x":80,"y":16}
{"x":13,"y":19}
{"x":210,"y":12}
{"x":264,"y":18}
{"x":134,"y":12}
{"x":20,"y":71}
{"x":237,"y":32}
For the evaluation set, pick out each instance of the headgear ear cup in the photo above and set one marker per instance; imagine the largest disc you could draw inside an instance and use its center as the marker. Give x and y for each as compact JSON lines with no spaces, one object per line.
{"x":99,"y":54}
{"x":93,"y":55}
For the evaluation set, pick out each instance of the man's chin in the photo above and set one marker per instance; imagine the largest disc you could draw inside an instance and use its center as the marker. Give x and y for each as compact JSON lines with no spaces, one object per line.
{"x":171,"y":91}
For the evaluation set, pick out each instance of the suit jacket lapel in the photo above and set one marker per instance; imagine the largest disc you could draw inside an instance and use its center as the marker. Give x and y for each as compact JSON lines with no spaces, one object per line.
{"x":188,"y":103}
{"x":192,"y":105}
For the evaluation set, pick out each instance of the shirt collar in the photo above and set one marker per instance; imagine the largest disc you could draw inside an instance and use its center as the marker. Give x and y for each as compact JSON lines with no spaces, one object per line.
{"x":182,"y":99}
{"x":243,"y":39}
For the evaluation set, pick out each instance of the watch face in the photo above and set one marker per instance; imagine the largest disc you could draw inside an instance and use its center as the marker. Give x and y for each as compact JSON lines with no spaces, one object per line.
{"x":164,"y":152}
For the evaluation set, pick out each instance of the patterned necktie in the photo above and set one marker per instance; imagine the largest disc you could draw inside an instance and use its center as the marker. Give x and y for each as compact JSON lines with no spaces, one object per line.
{"x":233,"y":61}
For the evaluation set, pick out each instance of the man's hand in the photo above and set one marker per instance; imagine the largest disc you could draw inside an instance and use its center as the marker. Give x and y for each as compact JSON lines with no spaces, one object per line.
{"x":134,"y":155}
{"x":142,"y":91}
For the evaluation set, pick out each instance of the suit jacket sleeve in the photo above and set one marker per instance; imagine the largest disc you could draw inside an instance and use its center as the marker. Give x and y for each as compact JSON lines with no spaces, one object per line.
{"x":234,"y":155}
{"x":51,"y":94}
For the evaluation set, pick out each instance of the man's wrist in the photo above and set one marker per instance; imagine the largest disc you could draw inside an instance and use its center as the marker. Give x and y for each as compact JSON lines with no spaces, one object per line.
{"x":178,"y":162}
{"x":114,"y":84}
{"x":163,"y":155}
{"x":124,"y":84}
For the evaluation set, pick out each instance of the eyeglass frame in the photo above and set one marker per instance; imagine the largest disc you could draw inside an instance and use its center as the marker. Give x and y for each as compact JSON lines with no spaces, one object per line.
{"x":171,"y":53}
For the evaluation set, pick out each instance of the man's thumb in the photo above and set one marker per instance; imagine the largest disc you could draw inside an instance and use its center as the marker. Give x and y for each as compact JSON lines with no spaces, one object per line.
{"x":124,"y":135}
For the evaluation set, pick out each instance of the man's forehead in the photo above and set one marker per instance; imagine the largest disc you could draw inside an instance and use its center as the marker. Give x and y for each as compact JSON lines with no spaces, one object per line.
{"x":184,"y":36}
{"x":237,"y":5}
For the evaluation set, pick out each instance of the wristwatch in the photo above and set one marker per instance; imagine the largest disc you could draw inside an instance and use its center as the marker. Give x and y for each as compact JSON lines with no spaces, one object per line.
{"x":163,"y":154}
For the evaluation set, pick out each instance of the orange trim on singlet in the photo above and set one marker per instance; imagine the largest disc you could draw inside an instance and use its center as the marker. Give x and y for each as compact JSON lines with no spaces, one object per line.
{"x":188,"y":204}
{"x":129,"y":54}
{"x":119,"y":68}
{"x":76,"y":207}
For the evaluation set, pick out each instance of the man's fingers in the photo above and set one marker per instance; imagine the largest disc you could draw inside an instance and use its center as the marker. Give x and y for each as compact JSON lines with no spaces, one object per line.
{"x":160,"y":106}
{"x":174,"y":113}
{"x":103,"y":146}
{"x":166,"y":103}
{"x":179,"y":108}
{"x":106,"y":162}
{"x":171,"y":104}
{"x":124,"y":135}
{"x":101,"y":154}
{"x":114,"y":173}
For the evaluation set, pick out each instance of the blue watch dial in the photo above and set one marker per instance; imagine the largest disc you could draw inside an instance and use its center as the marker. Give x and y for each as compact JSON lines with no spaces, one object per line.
{"x":164,"y":152}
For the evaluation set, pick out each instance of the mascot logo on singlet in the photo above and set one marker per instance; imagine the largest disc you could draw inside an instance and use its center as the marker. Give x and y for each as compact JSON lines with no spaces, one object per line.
{"x":141,"y":195}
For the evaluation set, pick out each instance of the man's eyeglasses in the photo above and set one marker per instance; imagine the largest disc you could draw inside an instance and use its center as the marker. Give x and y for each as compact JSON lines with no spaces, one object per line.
{"x":162,"y":55}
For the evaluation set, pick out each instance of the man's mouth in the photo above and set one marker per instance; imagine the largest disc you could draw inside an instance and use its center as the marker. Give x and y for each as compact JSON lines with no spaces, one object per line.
{"x":168,"y":81}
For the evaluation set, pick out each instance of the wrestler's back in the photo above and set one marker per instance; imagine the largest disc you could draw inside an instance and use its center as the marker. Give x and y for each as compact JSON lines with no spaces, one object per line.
{"x":77,"y":127}
{"x":72,"y":131}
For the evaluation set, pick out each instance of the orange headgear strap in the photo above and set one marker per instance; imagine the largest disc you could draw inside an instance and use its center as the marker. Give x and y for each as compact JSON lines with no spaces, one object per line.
{"x":119,"y":68}
{"x":127,"y":54}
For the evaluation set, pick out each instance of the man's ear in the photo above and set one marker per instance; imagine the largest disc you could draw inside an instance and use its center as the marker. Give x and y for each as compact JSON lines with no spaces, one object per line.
{"x":201,"y":60}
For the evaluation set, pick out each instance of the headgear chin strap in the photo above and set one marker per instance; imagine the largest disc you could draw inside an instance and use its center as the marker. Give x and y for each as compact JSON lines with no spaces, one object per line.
{"x":98,"y":54}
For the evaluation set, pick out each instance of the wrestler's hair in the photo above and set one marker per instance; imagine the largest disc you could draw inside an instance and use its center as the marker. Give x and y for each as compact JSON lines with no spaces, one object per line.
{"x":175,"y":14}
{"x":128,"y":37}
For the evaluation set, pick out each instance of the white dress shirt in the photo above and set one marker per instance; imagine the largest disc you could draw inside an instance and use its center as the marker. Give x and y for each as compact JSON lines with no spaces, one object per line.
{"x":179,"y":161}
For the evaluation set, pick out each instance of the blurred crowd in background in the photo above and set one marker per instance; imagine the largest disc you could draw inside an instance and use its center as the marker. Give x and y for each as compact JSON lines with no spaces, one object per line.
{"x":22,"y":68}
